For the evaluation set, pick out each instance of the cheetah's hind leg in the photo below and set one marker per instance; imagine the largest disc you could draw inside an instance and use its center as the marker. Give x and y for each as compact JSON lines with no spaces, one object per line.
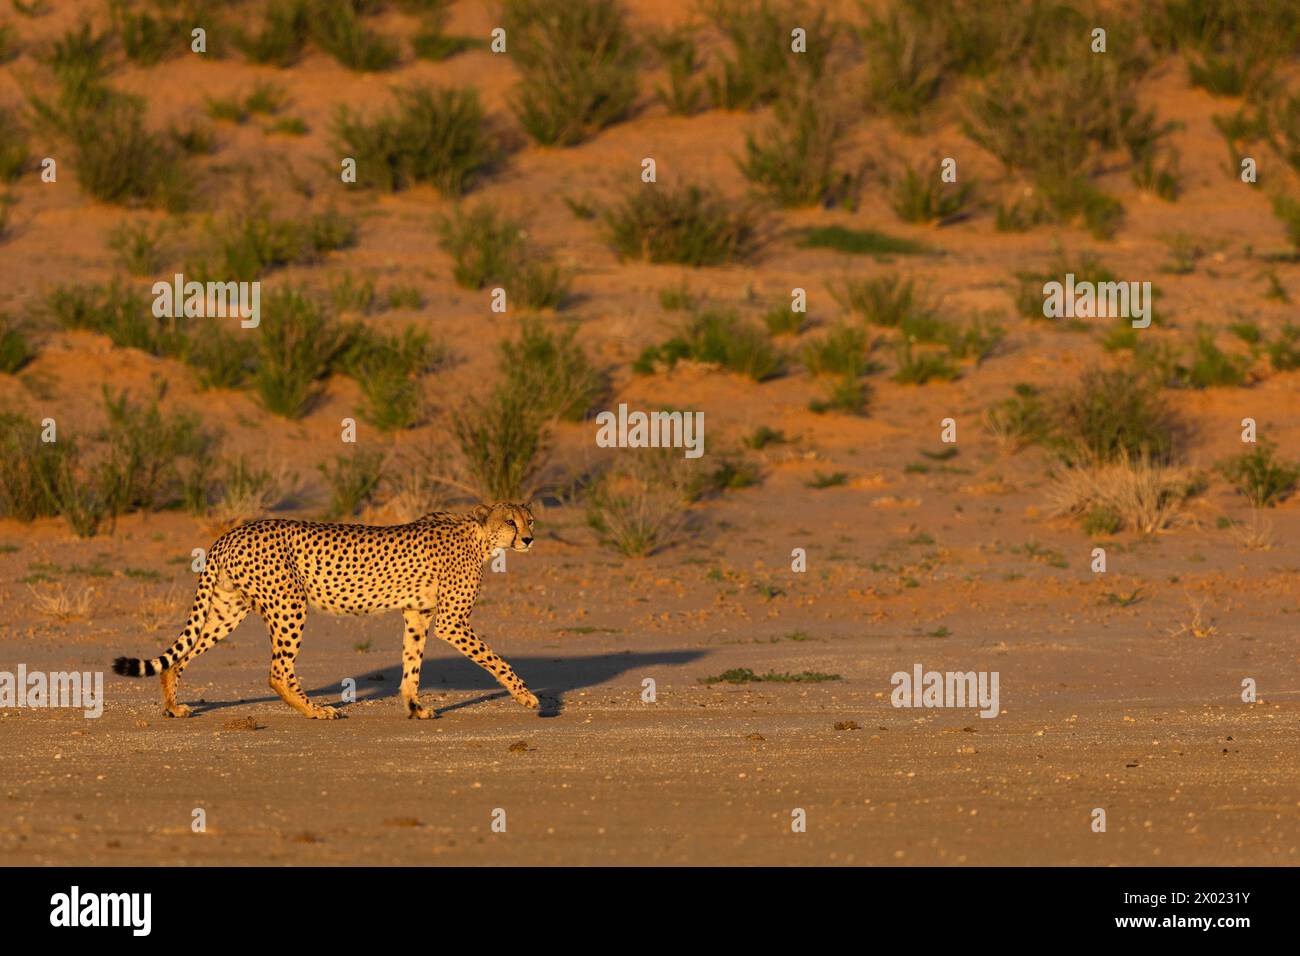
{"x":227,"y":610}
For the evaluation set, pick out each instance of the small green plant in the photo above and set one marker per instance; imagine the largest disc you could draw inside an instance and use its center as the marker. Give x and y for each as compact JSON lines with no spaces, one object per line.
{"x":337,"y":29}
{"x":434,"y":135}
{"x":298,"y":346}
{"x":1284,"y":352}
{"x":1113,"y":414}
{"x":1021,"y":420}
{"x":352,"y":481}
{"x":254,"y":241}
{"x":15,"y":348}
{"x":762,"y":65}
{"x":144,"y":446}
{"x":783,"y":320}
{"x":484,"y":245}
{"x":638,"y":507}
{"x":918,"y":194}
{"x":920,"y":367}
{"x":405,"y":297}
{"x":743,"y":675}
{"x":503,"y":440}
{"x":14,"y":154}
{"x":117,"y":311}
{"x":762,"y":436}
{"x":886,"y":301}
{"x":684,"y":94}
{"x":721,"y":338}
{"x":676,"y":298}
{"x":578,"y":66}
{"x":284,"y":31}
{"x":553,"y":369}
{"x":796,"y":158}
{"x":1259,"y":476}
{"x":844,"y":393}
{"x":844,"y":350}
{"x":138,"y":246}
{"x":1212,"y":367}
{"x":860,"y":242}
{"x":388,"y":370}
{"x":1287,"y":209}
{"x":821,"y":480}
{"x":906,"y":61}
{"x":433,"y":42}
{"x":690,"y":225}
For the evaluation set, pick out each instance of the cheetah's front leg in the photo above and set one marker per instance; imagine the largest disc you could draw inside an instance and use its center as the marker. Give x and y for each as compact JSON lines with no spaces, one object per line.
{"x":457,"y":632}
{"x":417,"y":629}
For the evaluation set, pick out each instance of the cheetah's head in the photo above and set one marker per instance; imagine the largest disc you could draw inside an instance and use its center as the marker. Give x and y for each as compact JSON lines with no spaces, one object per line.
{"x":506,"y":525}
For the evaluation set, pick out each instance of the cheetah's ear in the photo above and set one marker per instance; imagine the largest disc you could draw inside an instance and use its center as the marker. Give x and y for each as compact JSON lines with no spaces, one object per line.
{"x":481,"y":513}
{"x":528,"y":508}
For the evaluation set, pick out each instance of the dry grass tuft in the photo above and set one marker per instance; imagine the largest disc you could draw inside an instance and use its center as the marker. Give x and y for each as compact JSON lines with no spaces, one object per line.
{"x":1141,"y":494}
{"x":61,"y":602}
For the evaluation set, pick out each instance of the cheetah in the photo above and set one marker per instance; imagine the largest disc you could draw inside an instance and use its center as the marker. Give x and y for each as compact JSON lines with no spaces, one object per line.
{"x":430,"y":569}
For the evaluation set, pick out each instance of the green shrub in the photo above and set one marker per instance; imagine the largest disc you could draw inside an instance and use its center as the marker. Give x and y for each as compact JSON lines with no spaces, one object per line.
{"x":638,"y":507}
{"x":297,"y":346}
{"x":689,"y":225}
{"x":860,"y":242}
{"x":906,"y":60}
{"x":1284,"y":353}
{"x":352,"y":481}
{"x":761,"y":65}
{"x":254,"y":241}
{"x":117,"y":311}
{"x":677,"y":50}
{"x":781,"y":320}
{"x":283,"y":34}
{"x":1113,"y":414}
{"x":796,"y":160}
{"x":886,"y":301}
{"x":917,"y":194}
{"x":39,"y":479}
{"x":434,"y":135}
{"x":1056,"y":125}
{"x":844,"y":393}
{"x":149,"y":37}
{"x":1021,"y":420}
{"x":720,"y":338}
{"x":222,"y":359}
{"x":502,"y":441}
{"x":14,"y":154}
{"x":144,"y":447}
{"x":578,"y":67}
{"x":137,"y":245}
{"x":553,"y":369}
{"x":15,"y":349}
{"x":388,"y":370}
{"x":1287,"y":209}
{"x":432,"y":42}
{"x":1260,"y":477}
{"x":920,"y":367}
{"x":484,"y":245}
{"x":844,"y":350}
{"x":337,"y":29}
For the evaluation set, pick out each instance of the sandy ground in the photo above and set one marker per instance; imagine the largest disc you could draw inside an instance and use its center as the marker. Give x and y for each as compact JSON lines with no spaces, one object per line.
{"x":1102,"y":707}
{"x":1119,"y":691}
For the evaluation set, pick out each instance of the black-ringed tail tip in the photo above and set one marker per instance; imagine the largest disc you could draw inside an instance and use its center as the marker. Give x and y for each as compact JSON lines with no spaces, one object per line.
{"x":135,"y":667}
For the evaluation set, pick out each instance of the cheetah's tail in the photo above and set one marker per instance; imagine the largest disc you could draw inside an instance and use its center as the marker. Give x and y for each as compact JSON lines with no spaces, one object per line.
{"x":140,"y":667}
